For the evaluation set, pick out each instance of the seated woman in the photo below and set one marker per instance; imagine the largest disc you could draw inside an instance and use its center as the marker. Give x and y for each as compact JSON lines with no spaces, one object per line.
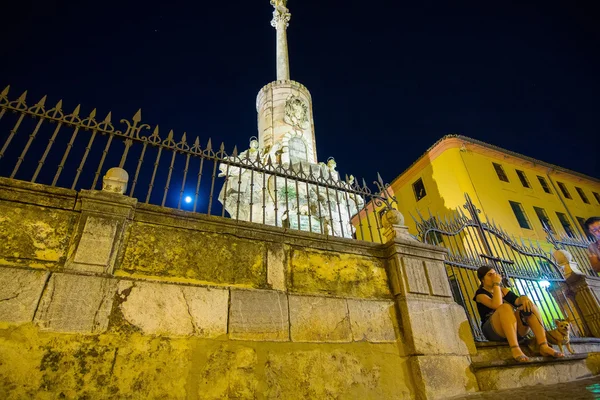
{"x":501,"y":322}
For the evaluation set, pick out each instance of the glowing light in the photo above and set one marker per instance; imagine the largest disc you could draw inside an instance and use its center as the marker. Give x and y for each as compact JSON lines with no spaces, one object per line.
{"x":188,"y":199}
{"x":545,"y":284}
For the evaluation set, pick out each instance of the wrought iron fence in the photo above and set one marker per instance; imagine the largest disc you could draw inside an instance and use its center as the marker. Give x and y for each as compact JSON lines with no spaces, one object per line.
{"x":66,"y":149}
{"x":525,"y":267}
{"x":577,"y":246}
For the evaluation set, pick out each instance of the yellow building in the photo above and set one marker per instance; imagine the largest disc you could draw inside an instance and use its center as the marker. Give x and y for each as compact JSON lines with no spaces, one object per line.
{"x":514,"y":190}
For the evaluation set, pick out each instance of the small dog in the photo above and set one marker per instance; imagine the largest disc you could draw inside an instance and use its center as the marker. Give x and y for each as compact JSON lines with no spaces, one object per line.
{"x":561,"y":335}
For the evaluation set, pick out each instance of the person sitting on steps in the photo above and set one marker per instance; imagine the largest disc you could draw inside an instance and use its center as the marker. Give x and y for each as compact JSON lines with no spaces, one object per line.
{"x":501,"y":322}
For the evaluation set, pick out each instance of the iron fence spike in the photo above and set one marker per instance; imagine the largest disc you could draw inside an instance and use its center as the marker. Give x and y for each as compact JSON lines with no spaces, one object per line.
{"x":137,"y":117}
{"x":170,"y":135}
{"x":5,"y":91}
{"x":235,"y":151}
{"x":183,"y":137}
{"x":209,"y":144}
{"x":197,"y":141}
{"x":42,"y":102}
{"x":108,"y":117}
{"x":23,"y":96}
{"x":58,"y":105}
{"x":77,"y":109}
{"x":222,"y":147}
{"x":92,"y":113}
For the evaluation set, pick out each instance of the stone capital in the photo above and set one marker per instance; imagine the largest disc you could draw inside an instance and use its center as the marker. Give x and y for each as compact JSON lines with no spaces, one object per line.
{"x":281,"y":18}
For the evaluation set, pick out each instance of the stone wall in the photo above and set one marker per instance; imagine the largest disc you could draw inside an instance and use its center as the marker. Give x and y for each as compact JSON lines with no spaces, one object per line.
{"x":102,"y":297}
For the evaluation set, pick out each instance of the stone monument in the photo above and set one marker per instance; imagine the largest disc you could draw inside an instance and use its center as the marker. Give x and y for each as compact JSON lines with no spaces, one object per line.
{"x":286,"y":145}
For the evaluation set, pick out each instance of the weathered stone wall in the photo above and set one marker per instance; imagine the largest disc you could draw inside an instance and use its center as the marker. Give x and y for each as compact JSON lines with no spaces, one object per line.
{"x":101,"y":297}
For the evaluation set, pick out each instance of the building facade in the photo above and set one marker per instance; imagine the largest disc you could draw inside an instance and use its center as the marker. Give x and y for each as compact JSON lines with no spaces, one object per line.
{"x":517,"y":192}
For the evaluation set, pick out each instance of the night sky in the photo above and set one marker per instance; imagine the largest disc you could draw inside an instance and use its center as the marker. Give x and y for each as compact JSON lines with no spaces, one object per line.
{"x":388,"y":79}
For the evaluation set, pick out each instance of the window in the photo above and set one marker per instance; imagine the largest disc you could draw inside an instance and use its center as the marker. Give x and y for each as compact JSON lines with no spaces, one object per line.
{"x":520,"y":214}
{"x":582,"y":195}
{"x":500,"y":171}
{"x":297,"y":150}
{"x":597,"y":196}
{"x":564,"y":190}
{"x":419,"y":189}
{"x":583,"y":228}
{"x":544,"y":184}
{"x":523,"y":178}
{"x":541,"y":213}
{"x":565,"y":224}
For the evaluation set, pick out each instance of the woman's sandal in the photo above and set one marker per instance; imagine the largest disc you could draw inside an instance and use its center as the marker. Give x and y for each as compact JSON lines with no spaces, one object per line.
{"x":521,"y":358}
{"x":555,"y":354}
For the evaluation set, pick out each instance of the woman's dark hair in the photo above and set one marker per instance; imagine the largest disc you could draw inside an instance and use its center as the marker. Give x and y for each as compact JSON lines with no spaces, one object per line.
{"x":482,"y":271}
{"x":590,"y":221}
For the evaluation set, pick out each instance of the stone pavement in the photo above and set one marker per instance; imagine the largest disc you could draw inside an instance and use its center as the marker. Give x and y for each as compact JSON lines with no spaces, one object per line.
{"x":582,"y":389}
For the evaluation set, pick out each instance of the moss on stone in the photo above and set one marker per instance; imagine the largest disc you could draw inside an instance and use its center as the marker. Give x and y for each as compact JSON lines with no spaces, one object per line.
{"x":163,"y":251}
{"x":337,"y":273}
{"x":33,"y":235}
{"x":45,"y":365}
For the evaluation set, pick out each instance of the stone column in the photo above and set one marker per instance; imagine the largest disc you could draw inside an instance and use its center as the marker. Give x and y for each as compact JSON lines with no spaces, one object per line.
{"x":101,"y":225}
{"x":280,"y":21}
{"x":586,"y":292}
{"x":436,"y":332}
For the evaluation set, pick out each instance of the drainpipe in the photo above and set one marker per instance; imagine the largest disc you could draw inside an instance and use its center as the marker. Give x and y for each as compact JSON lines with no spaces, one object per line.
{"x":559,"y":193}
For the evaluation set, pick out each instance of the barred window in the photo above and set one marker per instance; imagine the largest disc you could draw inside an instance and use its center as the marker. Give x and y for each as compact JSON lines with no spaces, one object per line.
{"x":419,"y":189}
{"x":544,"y":184}
{"x":582,"y":195}
{"x":523,"y":178}
{"x":564,"y":221}
{"x":543,"y":217}
{"x":520,"y":214}
{"x":563,"y":189}
{"x":500,"y":172}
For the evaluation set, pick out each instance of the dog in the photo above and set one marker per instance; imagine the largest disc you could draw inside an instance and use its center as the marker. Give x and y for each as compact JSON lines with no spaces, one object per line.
{"x":561,"y":335}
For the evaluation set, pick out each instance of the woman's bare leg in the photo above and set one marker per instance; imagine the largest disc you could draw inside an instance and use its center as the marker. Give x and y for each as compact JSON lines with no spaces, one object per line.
{"x":504,"y":323}
{"x":538,"y":330}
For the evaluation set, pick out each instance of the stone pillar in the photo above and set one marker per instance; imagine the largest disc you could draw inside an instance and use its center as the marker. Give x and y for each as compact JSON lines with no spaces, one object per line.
{"x":280,"y":21}
{"x":586,"y":292}
{"x":101,"y":225}
{"x":436,"y":332}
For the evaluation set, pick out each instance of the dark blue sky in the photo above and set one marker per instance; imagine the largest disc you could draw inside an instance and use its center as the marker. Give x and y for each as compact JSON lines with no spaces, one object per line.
{"x":388,"y":79}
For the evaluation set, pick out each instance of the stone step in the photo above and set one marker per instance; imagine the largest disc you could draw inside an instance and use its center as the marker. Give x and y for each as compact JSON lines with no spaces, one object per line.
{"x":508,"y":374}
{"x":489,"y":351}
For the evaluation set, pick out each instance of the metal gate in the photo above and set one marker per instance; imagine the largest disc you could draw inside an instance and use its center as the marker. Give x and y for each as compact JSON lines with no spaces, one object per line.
{"x":525,"y":267}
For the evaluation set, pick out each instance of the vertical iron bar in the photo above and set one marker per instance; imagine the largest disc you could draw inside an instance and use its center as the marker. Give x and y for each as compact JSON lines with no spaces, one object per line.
{"x":337,"y":199}
{"x":251,"y":192}
{"x":64,"y":159}
{"x":156,"y":163}
{"x":164,"y":199}
{"x":360,"y":225}
{"x":298,"y":203}
{"x":128,"y":143}
{"x":137,"y":169}
{"x":225,"y":184}
{"x":212,"y":186}
{"x":264,"y":197}
{"x":22,"y":156}
{"x":48,"y":147}
{"x":198,"y":182}
{"x":85,"y":155}
{"x":185,"y":171}
{"x":275,"y":199}
{"x":101,"y":164}
{"x":319,"y":209}
{"x":287,"y":205}
{"x":239,"y":191}
{"x":12,"y":134}
{"x":308,"y":205}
